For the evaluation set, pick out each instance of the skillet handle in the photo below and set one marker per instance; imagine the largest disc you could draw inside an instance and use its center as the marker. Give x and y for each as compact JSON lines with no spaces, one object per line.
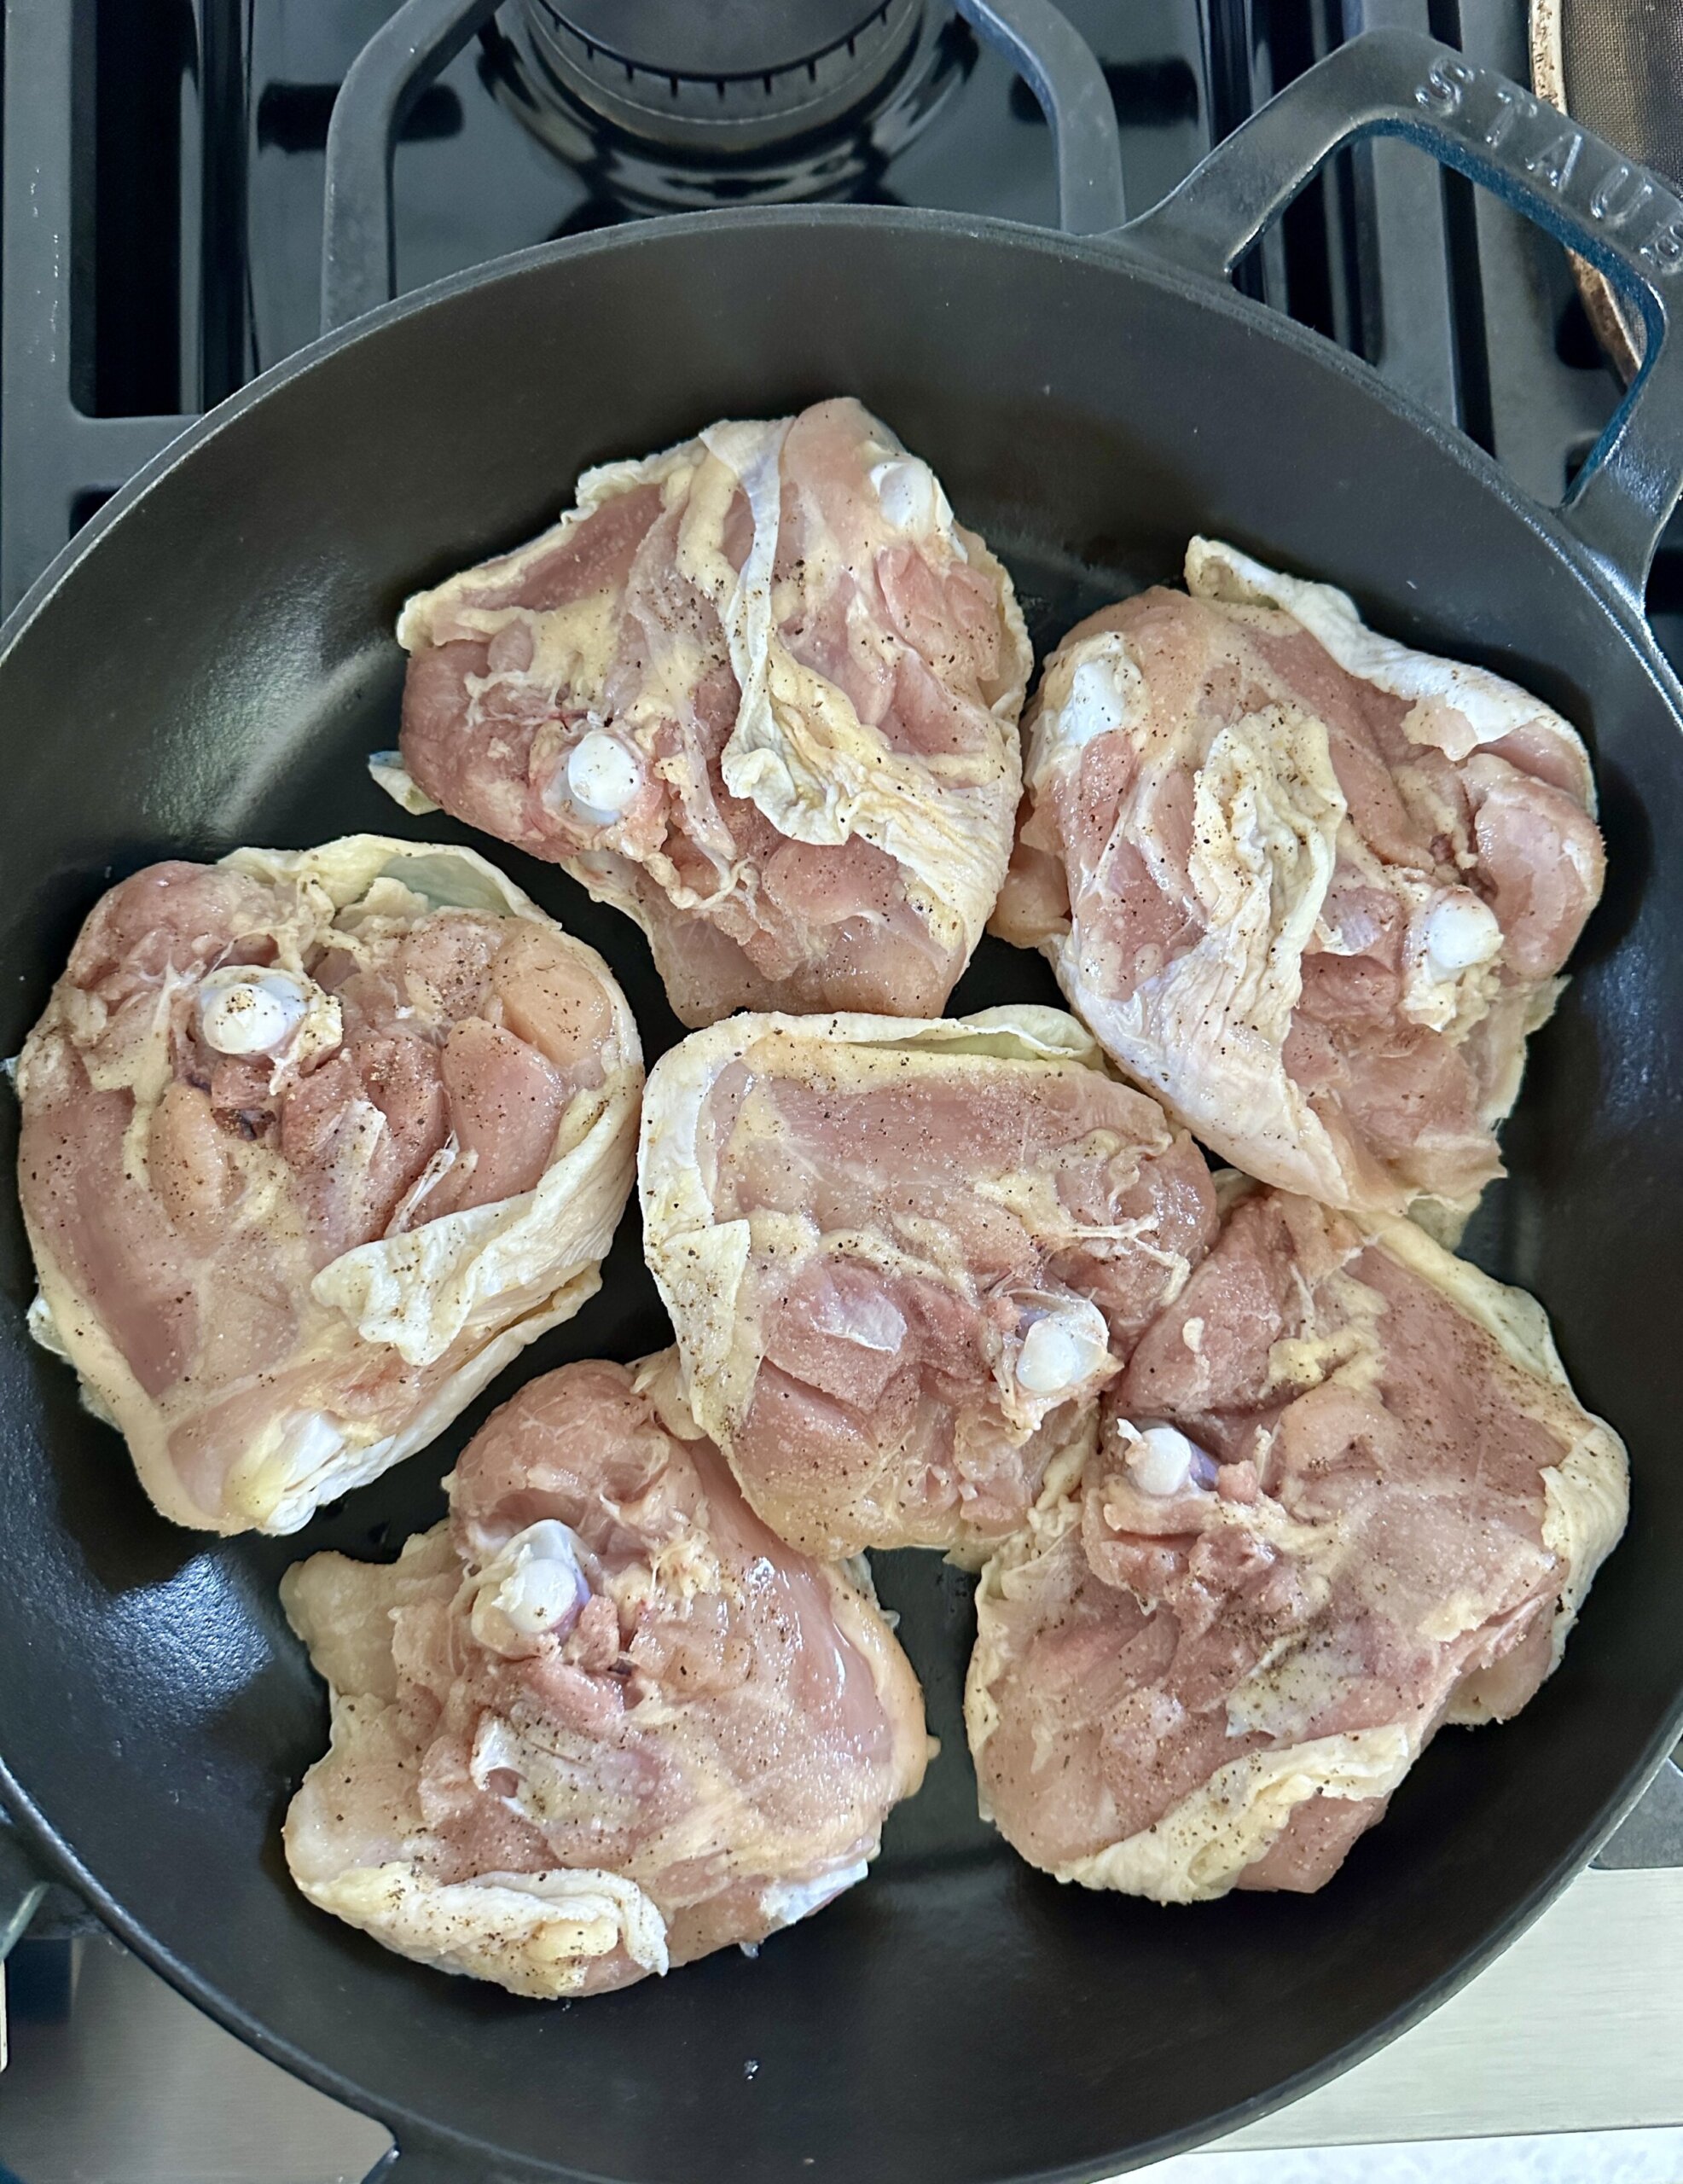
{"x":1624,"y":219}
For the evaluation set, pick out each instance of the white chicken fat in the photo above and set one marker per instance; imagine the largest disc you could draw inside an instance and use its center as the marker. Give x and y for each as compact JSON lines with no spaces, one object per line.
{"x":788,"y":1900}
{"x":1097,"y":703}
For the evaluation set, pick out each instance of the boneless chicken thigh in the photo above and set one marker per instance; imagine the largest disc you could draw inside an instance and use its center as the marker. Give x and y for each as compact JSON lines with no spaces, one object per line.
{"x":903,"y":1258}
{"x":1311,"y":886}
{"x":760,"y":692}
{"x":313,"y":1145}
{"x":1342,"y":1494}
{"x":599,"y":1721}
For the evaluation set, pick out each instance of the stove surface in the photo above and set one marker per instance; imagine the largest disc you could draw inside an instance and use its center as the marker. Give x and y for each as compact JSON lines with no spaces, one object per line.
{"x":171,"y":155}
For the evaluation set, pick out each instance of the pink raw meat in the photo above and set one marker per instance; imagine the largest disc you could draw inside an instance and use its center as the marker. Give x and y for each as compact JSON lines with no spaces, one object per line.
{"x":760,"y":692}
{"x":1342,"y":1494}
{"x":222,"y":1238}
{"x":903,"y":1258}
{"x":1310,"y":887}
{"x":601,"y":1721}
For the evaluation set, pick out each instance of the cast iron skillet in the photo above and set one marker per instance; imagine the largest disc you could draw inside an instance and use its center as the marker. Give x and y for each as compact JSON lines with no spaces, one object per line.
{"x":208,"y":665}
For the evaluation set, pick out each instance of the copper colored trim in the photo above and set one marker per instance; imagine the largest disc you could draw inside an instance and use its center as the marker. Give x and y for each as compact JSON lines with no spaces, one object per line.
{"x":1618,"y":330}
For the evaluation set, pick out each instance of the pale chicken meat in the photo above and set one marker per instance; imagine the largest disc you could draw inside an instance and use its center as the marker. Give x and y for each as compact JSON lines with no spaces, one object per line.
{"x":601,"y":1722}
{"x":1311,"y":887}
{"x":904,"y":1258}
{"x":760,"y":692}
{"x":313,"y":1145}
{"x":1342,"y":1494}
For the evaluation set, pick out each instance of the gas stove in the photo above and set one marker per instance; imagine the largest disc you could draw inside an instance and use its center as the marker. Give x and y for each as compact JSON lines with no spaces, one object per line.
{"x":163,"y":171}
{"x":161,"y":184}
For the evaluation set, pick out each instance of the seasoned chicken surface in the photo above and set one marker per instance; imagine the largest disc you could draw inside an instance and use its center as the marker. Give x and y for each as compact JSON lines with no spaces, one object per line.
{"x":599,"y":1721}
{"x":760,"y":692}
{"x":313,"y":1145}
{"x":903,"y":1258}
{"x":1342,"y":1493}
{"x":1309,"y":887}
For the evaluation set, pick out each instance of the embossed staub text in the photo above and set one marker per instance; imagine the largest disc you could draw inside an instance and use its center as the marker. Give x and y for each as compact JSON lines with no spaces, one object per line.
{"x":1621,"y":200}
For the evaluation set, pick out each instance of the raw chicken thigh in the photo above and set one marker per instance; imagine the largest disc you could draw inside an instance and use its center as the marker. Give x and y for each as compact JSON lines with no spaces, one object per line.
{"x":903,"y":1257}
{"x":761,"y":692}
{"x":1342,"y":1494}
{"x":1311,"y":887}
{"x":312,"y":1145}
{"x":599,"y":1721}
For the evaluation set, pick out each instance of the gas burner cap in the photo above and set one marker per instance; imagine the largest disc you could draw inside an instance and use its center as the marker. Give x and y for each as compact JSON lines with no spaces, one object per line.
{"x":719,"y":38}
{"x":723,"y":77}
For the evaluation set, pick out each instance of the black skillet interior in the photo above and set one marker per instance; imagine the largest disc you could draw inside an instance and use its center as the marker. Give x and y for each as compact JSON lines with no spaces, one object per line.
{"x":215,"y":672}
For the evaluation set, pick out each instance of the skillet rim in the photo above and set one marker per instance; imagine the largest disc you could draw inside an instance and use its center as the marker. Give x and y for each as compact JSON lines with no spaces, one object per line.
{"x":1114,"y":253}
